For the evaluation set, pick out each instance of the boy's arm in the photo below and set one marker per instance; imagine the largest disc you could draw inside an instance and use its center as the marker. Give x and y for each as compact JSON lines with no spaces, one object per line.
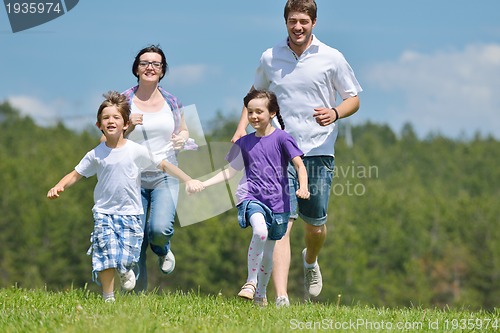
{"x":64,"y":183}
{"x":303,"y":191}
{"x":220,"y":177}
{"x":174,"y":170}
{"x":192,"y":185}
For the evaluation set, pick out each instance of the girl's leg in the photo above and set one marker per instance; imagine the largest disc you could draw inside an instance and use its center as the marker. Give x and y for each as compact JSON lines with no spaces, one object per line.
{"x":266,"y":269}
{"x":256,"y":248}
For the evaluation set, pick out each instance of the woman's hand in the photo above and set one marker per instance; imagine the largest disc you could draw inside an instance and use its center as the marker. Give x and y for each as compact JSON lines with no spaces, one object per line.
{"x":178,"y":141}
{"x":136,"y":119}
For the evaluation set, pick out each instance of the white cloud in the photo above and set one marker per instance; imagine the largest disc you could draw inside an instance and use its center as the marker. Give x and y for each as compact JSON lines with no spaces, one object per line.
{"x":44,"y":114}
{"x":50,"y":113}
{"x":188,"y":75}
{"x":450,"y":92}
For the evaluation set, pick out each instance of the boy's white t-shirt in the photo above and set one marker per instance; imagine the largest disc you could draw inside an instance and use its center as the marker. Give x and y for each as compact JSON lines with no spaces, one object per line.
{"x":118,"y":170}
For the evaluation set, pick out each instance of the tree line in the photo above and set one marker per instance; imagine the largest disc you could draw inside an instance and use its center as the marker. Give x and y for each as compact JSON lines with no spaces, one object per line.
{"x":411,"y":221}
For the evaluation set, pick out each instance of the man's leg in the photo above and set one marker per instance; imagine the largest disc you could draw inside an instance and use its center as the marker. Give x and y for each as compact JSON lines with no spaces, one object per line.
{"x":315,"y":238}
{"x":314,"y":212}
{"x":281,"y":262}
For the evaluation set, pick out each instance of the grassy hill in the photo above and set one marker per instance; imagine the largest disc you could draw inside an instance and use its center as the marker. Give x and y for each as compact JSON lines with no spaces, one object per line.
{"x":79,"y":310}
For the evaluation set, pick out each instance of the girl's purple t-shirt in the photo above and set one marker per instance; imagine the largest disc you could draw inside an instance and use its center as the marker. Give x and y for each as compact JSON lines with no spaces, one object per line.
{"x":265,"y":160}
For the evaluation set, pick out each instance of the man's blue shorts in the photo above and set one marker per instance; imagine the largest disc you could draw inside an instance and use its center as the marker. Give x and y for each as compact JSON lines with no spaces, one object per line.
{"x":320,"y":175}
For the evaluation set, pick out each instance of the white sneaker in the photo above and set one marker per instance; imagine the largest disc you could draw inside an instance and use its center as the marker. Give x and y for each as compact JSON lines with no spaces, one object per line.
{"x":282,"y":301}
{"x":167,"y":262}
{"x":313,"y":282}
{"x":127,"y":280}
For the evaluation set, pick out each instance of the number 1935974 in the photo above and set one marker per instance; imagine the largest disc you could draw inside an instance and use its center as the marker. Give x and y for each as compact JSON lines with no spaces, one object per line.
{"x":33,"y":7}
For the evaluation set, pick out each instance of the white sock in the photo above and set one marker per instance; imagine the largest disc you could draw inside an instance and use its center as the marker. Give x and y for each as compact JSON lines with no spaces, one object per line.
{"x":106,"y":296}
{"x":306,"y":265}
{"x":256,"y":248}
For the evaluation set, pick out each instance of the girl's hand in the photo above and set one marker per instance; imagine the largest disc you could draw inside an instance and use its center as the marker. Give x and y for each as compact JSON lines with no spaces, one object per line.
{"x":194,"y":186}
{"x":303,"y":194}
{"x":178,"y":141}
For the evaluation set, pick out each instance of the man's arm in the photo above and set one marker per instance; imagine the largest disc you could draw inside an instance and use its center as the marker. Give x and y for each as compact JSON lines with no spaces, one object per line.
{"x":326,"y":116}
{"x":241,"y":130}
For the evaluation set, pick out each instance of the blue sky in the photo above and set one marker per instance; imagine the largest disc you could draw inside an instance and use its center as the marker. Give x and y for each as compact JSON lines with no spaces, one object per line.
{"x":435,"y":64}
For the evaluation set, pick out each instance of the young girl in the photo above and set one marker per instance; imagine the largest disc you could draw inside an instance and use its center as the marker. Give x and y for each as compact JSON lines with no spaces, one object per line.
{"x":263,"y":193}
{"x":118,"y":162}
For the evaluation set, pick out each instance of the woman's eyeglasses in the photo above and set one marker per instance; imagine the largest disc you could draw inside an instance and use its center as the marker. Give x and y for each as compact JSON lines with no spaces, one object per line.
{"x":155,"y":64}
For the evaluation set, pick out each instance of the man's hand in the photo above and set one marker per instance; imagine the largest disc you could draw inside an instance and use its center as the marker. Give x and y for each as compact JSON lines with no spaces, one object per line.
{"x":324,"y":116}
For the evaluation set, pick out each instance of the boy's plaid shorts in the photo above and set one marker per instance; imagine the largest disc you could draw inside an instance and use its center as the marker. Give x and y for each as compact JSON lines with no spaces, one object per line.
{"x":116,"y":242}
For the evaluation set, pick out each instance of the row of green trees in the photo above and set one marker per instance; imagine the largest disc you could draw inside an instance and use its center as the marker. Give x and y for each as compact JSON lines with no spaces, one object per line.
{"x":411,"y":221}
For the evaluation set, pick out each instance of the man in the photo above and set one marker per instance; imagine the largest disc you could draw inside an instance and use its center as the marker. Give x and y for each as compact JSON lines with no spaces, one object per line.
{"x":306,"y":75}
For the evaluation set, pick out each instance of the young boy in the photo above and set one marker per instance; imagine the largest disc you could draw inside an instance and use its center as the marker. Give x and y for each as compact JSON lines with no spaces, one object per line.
{"x":118,"y":162}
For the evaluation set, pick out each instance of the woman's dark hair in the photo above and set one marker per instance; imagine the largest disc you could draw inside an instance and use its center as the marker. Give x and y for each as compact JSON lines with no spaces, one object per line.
{"x":154,"y":49}
{"x":272,"y":103}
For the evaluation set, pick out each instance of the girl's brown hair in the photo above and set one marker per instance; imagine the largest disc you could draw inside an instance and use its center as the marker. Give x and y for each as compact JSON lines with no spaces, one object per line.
{"x":272,"y":103}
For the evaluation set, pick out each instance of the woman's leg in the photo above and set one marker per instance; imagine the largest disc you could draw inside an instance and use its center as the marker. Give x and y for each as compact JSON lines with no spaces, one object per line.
{"x":141,"y":271}
{"x":163,"y":202}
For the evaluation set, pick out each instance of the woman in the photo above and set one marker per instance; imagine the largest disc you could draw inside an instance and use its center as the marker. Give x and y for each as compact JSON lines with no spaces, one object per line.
{"x":157,"y":122}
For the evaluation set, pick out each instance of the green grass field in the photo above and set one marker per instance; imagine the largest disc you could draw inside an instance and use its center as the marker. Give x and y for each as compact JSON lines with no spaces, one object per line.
{"x":82,"y":310}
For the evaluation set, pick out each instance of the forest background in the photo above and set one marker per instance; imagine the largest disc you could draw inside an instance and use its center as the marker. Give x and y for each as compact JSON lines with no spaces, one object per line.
{"x":412,"y":222}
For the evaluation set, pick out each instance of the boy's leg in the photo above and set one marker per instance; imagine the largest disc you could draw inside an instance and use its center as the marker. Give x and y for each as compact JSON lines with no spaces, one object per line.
{"x":101,"y":249}
{"x":127,"y":246}
{"x":141,"y":270}
{"x":107,"y":278}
